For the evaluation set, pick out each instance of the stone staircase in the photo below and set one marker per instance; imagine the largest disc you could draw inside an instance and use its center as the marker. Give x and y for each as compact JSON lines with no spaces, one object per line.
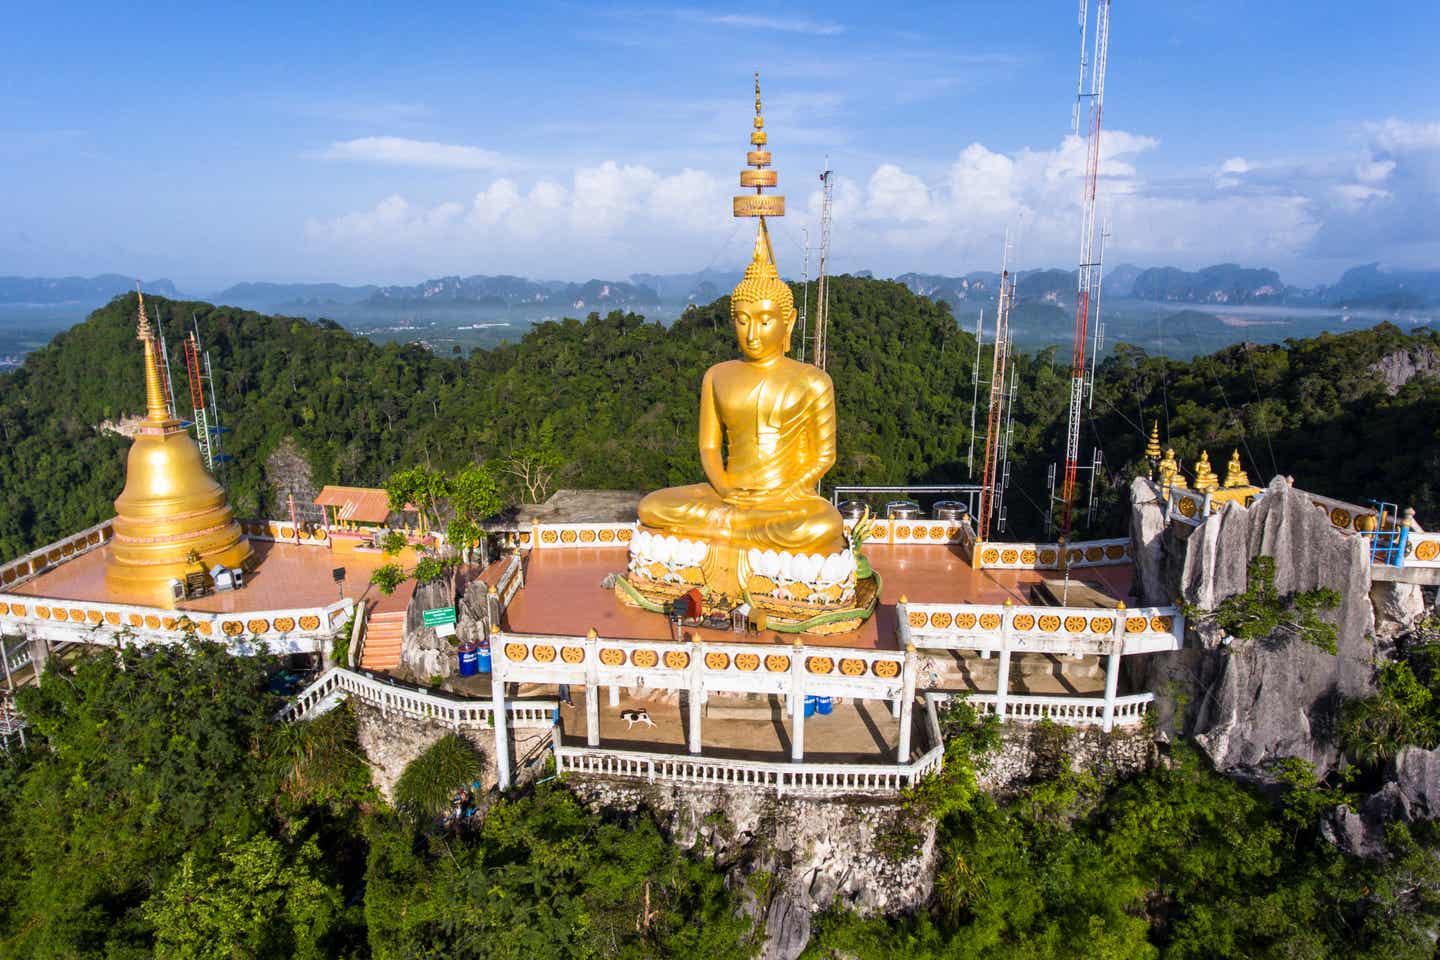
{"x":384,"y":636}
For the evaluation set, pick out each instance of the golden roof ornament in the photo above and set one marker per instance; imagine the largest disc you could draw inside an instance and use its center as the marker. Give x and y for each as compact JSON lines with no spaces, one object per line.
{"x":1235,"y":475}
{"x":1152,"y":446}
{"x":1205,"y":479}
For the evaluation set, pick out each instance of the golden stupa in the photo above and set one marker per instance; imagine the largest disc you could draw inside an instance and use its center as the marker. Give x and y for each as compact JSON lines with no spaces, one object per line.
{"x":171,"y":509}
{"x":757,"y":530}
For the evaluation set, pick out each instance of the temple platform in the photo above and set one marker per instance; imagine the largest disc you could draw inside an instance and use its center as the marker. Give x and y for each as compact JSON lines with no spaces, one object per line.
{"x":288,"y":576}
{"x":562,"y":594}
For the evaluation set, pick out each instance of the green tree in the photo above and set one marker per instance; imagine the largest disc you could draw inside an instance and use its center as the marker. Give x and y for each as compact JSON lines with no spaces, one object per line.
{"x":257,"y":902}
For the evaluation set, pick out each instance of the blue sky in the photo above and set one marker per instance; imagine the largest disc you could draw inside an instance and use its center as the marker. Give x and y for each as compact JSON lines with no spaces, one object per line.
{"x":569,"y":141}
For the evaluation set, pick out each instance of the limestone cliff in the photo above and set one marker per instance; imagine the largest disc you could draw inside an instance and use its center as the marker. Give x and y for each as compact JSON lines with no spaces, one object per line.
{"x":790,"y":857}
{"x":1249,"y":704}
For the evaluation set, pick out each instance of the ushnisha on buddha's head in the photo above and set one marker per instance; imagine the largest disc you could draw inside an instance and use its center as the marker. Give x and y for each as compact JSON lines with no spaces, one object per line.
{"x":762,"y":308}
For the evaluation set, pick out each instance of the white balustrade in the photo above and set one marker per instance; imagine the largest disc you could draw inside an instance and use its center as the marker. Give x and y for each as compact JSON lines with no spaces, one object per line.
{"x":409,"y":702}
{"x":21,"y":569}
{"x":1067,"y":711}
{"x":1031,"y":629}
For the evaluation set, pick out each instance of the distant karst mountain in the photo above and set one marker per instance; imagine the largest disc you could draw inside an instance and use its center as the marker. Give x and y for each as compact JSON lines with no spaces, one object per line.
{"x":510,"y":291}
{"x":1222,"y":283}
{"x":1398,"y":289}
{"x":251,"y":295}
{"x":92,"y":290}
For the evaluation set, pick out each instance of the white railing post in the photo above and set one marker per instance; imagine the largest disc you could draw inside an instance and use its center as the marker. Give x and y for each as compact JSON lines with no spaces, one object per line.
{"x":497,"y":693}
{"x":1002,"y":679}
{"x":592,"y":688}
{"x":907,"y":703}
{"x":1112,"y":668}
{"x":797,"y":702}
{"x":697,"y":695}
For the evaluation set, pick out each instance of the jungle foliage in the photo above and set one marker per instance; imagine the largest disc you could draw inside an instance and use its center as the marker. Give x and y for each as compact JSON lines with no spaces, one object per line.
{"x":612,"y":402}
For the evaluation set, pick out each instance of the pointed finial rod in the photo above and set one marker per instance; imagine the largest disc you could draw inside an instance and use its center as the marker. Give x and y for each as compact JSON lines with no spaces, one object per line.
{"x":157,"y":410}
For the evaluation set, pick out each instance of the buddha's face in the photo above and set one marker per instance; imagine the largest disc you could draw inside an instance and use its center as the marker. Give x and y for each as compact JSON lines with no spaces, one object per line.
{"x":762,"y":327}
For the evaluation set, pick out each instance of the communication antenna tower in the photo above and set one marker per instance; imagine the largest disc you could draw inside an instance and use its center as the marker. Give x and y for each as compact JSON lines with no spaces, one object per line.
{"x":804,"y":295}
{"x":207,"y":417}
{"x":975,"y":395}
{"x":1099,"y":343}
{"x":1088,"y":274}
{"x":990,"y":489}
{"x":822,"y":299}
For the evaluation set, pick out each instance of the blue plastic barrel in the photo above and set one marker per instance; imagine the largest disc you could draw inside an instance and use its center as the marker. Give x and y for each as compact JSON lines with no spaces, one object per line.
{"x":822,"y":706}
{"x":469,"y":661}
{"x":810,"y":706}
{"x":482,"y":657}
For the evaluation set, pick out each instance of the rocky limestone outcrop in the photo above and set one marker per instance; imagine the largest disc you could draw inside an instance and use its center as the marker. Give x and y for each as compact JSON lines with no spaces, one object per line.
{"x":1250,"y":704}
{"x":1399,"y":368}
{"x":790,"y":857}
{"x":1410,"y":792}
{"x":287,"y":473}
{"x":425,"y":656}
{"x":391,"y":742}
{"x":1028,"y":752}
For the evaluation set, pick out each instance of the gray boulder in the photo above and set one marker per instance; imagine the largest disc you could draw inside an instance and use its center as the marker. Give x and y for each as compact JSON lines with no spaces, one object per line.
{"x":1248,"y":705}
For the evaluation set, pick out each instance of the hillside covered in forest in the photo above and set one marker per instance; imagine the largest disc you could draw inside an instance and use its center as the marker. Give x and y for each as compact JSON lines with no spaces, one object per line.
{"x":612,"y":402}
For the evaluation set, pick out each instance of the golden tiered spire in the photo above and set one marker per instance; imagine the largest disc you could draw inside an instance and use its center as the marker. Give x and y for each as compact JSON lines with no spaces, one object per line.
{"x":157,"y":408}
{"x":759,"y":204}
{"x":1235,"y":476}
{"x":1152,"y":447}
{"x":171,"y":506}
{"x":1205,"y":479}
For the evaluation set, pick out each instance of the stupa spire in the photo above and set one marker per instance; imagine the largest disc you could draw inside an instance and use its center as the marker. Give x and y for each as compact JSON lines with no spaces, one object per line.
{"x":157,"y":408}
{"x":759,"y":203}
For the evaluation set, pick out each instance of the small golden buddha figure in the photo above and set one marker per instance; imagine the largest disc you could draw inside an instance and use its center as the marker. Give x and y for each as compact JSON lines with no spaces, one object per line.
{"x":1169,"y":471}
{"x":1205,"y":479}
{"x":1235,"y":475}
{"x":767,"y":436}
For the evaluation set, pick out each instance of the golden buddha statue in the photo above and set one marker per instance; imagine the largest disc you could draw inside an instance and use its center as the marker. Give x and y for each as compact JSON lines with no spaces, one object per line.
{"x":774,"y":419}
{"x":171,"y":506}
{"x":766,"y":437}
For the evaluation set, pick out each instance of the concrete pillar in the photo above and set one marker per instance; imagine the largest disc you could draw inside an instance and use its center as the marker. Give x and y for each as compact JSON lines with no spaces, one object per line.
{"x":39,"y":655}
{"x":697,"y":695}
{"x":1002,"y":679}
{"x":797,"y":702}
{"x":1112,"y":669}
{"x":5,"y":662}
{"x":502,"y":718}
{"x":614,"y":695}
{"x":592,"y":689}
{"x":907,"y":703}
{"x":902,"y":636}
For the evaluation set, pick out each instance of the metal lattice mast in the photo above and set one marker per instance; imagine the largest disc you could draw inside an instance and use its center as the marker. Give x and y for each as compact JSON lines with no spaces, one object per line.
{"x":822,"y":299}
{"x":804,"y":295}
{"x":197,"y":400}
{"x":975,"y":393}
{"x":998,"y":362}
{"x":1087,"y":271}
{"x":1099,"y":343}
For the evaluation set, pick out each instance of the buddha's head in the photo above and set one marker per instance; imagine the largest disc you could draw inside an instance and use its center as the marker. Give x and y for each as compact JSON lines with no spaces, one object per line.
{"x":762,"y":307}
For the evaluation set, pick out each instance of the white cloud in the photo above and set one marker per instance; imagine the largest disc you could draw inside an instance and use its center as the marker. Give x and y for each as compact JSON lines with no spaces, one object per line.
{"x":1373,"y":200}
{"x":780,"y":24}
{"x":402,"y":152}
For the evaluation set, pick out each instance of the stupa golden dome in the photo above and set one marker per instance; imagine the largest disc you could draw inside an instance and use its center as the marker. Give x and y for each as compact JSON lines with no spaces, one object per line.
{"x":171,"y":508}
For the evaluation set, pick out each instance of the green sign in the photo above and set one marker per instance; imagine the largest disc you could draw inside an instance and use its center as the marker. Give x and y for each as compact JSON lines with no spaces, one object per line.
{"x":442,"y":615}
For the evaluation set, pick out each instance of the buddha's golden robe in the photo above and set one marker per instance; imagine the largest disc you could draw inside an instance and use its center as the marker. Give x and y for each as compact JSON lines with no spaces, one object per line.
{"x":775,"y":423}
